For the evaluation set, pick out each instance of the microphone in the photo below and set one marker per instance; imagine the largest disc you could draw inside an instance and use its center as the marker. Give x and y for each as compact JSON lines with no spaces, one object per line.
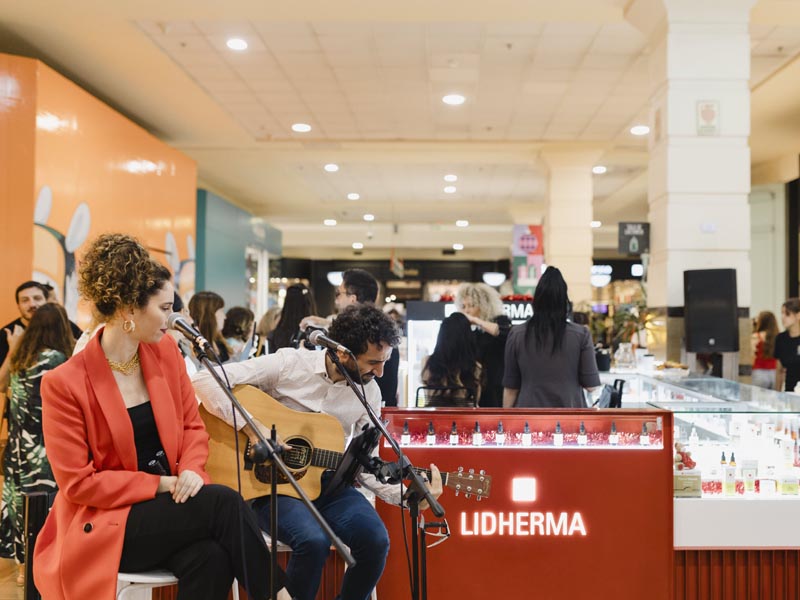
{"x":318,"y":338}
{"x":178,"y":323}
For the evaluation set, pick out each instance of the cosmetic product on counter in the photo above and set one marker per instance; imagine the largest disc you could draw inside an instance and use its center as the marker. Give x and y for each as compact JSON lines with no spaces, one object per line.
{"x":768,"y":484}
{"x":729,"y":483}
{"x":733,"y":460}
{"x":405,"y":438}
{"x":477,"y":436}
{"x":527,"y":439}
{"x":430,"y":439}
{"x":644,"y":438}
{"x":558,"y":437}
{"x":500,"y":436}
{"x":749,"y":471}
{"x":789,"y":485}
{"x":454,"y":435}
{"x":613,"y":437}
{"x":582,"y":439}
{"x":694,"y":439}
{"x":723,"y":461}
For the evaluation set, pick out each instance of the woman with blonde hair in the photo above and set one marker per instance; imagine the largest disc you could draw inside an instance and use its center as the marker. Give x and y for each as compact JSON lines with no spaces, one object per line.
{"x":46,"y":343}
{"x":483,"y":307}
{"x":765,"y":330}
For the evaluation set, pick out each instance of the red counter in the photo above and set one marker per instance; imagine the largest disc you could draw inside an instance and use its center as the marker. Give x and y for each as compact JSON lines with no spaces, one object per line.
{"x":561,"y":522}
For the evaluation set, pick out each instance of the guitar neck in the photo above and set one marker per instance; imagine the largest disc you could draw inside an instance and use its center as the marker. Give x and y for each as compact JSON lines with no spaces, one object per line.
{"x":427,"y":473}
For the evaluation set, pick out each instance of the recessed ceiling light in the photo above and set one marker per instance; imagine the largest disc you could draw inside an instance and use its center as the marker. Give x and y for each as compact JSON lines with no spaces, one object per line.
{"x":358,"y":246}
{"x":301,"y":127}
{"x":353,"y":196}
{"x":599,"y":169}
{"x":331,"y":167}
{"x":453,"y":99}
{"x":458,"y":246}
{"x":237,"y":44}
{"x":369,"y":217}
{"x":330,"y":222}
{"x":451,"y":178}
{"x":449,"y":189}
{"x":596,"y":224}
{"x":640,"y":130}
{"x":462,"y":223}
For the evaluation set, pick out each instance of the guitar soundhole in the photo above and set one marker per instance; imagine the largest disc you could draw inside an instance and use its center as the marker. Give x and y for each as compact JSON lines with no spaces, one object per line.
{"x":297,"y":460}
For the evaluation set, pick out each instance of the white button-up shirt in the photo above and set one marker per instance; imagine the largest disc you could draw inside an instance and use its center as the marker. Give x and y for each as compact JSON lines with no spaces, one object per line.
{"x":299,"y":380}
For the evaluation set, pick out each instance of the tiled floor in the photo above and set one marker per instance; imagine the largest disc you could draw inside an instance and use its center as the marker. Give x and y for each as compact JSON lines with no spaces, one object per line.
{"x":8,"y":575}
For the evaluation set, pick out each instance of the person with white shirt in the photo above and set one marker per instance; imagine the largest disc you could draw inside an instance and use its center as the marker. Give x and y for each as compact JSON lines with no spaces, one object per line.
{"x":309,"y":381}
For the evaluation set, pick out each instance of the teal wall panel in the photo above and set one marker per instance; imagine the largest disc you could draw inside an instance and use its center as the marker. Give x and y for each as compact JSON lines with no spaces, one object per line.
{"x":224,"y":231}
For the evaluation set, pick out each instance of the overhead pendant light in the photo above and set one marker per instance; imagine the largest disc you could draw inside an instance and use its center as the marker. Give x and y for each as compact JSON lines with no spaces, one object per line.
{"x":493,"y":278}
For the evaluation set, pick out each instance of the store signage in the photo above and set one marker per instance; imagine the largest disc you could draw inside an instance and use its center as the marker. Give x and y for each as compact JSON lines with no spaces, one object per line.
{"x":522,"y":524}
{"x":518,"y":311}
{"x":634,"y":238}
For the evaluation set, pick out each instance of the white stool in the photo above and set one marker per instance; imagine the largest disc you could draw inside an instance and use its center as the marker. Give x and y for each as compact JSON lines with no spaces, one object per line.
{"x":128,"y":584}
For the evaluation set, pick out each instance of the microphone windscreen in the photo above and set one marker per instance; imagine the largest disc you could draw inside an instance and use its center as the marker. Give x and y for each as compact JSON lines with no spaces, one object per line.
{"x":173,"y":319}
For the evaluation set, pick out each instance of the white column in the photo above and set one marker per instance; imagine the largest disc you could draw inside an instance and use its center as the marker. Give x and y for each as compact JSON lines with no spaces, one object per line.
{"x":568,"y":240}
{"x":699,"y":169}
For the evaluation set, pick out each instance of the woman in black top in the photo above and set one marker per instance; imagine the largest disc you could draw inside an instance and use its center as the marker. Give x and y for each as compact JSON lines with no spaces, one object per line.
{"x":453,"y":364}
{"x":787,"y":346}
{"x":481,"y":304}
{"x":299,"y":303}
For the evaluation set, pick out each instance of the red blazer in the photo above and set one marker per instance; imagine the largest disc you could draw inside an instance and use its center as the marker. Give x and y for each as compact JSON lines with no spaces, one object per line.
{"x":89,"y":442}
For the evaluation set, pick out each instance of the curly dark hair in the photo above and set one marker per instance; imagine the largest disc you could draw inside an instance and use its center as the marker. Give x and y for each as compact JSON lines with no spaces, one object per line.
{"x":361,"y":324}
{"x":117,"y":271}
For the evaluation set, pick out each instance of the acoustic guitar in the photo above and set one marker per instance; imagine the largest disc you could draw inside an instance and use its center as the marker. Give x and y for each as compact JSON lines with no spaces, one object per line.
{"x":317,"y":442}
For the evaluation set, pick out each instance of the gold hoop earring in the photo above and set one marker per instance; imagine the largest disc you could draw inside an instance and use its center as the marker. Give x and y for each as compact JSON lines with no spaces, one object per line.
{"x":128,"y":326}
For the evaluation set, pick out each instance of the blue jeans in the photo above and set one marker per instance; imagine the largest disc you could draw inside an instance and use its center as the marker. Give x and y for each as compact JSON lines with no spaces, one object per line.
{"x":352,"y":518}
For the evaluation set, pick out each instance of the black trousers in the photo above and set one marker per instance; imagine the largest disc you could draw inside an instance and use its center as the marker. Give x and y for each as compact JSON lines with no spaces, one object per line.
{"x":205,"y":542}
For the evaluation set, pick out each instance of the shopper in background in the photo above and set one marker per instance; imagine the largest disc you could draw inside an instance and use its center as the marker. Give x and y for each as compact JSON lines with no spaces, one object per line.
{"x":765,"y":330}
{"x":207,"y":313}
{"x":453,"y":364}
{"x":238,"y":332}
{"x":128,"y":450}
{"x":298,"y":304}
{"x":30,"y":295}
{"x":483,"y":307}
{"x":267,"y":324}
{"x":46,"y":343}
{"x":787,"y":347}
{"x":548,"y":359}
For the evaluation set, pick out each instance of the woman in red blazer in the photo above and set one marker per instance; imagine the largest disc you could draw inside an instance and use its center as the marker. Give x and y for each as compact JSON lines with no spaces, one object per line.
{"x":128,"y":450}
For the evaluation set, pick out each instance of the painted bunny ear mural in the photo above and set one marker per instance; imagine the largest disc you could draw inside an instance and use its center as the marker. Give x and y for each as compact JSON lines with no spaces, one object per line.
{"x":54,"y":252}
{"x":185,"y":282}
{"x":173,"y":258}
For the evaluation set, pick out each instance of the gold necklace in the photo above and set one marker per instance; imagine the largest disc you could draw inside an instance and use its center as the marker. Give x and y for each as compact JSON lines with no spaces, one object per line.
{"x":126,"y":368}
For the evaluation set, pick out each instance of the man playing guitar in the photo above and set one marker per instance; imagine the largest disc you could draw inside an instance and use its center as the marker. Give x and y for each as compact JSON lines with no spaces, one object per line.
{"x":309,"y":381}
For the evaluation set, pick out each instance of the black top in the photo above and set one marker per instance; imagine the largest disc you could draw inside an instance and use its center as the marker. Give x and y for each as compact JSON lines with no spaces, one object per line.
{"x":787,"y":350}
{"x":148,"y":444}
{"x":76,"y":333}
{"x":388,"y":383}
{"x":491,"y":355}
{"x":551,"y":380}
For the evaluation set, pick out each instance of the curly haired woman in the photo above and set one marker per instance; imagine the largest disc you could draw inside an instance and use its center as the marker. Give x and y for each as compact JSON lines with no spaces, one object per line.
{"x":128,"y":451}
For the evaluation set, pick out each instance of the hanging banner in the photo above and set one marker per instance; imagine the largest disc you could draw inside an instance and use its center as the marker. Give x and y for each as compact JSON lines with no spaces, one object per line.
{"x":527,"y":257}
{"x":634,"y":238}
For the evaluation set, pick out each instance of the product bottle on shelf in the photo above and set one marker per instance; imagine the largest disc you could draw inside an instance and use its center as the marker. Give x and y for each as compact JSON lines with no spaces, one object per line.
{"x":644,"y":438}
{"x":430,"y":439}
{"x":558,"y":437}
{"x":582,"y":439}
{"x":405,"y":438}
{"x":500,"y":437}
{"x":477,"y":436}
{"x":613,"y":438}
{"x":526,"y":435}
{"x":454,"y":435}
{"x":723,"y":461}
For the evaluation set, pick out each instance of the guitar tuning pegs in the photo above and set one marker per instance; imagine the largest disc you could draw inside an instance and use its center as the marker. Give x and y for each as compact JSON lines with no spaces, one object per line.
{"x":467,"y":496}
{"x":469,"y":489}
{"x":457,"y":491}
{"x":479,"y":498}
{"x":460,"y":469}
{"x":482,"y":472}
{"x":472,"y":471}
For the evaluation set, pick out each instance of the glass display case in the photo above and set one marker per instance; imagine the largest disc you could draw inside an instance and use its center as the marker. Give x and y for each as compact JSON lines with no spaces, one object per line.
{"x":737,"y":440}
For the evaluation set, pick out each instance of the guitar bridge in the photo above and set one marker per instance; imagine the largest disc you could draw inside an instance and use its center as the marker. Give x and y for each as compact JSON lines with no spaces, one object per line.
{"x":248,"y":462}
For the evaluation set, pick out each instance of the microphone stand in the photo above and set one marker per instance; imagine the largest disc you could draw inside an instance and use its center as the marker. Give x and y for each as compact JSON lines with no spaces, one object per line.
{"x":417,"y":490}
{"x":269,"y":449}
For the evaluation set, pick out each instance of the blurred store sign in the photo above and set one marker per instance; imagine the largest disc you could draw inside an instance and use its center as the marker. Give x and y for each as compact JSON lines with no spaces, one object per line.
{"x":634,"y":238}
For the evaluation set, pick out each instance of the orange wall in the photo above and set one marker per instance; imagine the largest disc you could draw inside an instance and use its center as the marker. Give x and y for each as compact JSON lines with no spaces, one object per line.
{"x":17,"y":121}
{"x":95,"y":171}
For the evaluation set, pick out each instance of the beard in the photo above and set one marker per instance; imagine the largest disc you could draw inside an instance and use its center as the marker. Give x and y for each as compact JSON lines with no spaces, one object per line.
{"x":357,"y":376}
